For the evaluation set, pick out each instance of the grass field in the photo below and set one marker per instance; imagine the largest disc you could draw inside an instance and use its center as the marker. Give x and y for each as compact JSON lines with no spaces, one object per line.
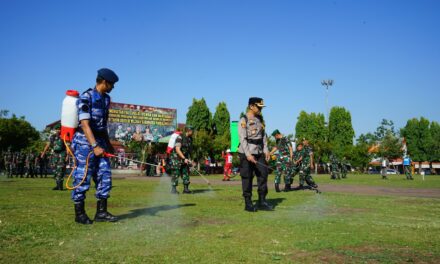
{"x":210,"y":226}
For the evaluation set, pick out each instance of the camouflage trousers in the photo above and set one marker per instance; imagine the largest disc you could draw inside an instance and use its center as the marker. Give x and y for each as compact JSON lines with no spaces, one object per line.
{"x":178,"y":169}
{"x":59,"y":166}
{"x":284,"y":167}
{"x":305,"y":176}
{"x":9,"y":169}
{"x":344,"y":173}
{"x":335,"y":173}
{"x":31,"y":171}
{"x":408,"y":172}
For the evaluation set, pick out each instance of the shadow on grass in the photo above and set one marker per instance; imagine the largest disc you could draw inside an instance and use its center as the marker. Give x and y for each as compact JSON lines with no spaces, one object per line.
{"x":275,"y":202}
{"x":152,"y":210}
{"x":203,"y":190}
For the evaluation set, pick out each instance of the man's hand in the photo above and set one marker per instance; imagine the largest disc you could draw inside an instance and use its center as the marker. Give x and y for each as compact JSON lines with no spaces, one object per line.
{"x":187,"y":161}
{"x":251,"y":158}
{"x":98,"y":151}
{"x":267,"y":156}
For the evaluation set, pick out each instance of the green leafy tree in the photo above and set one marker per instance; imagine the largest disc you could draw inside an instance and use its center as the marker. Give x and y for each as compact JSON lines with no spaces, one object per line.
{"x":341,"y":132}
{"x":199,"y":116}
{"x":391,"y":146}
{"x":418,"y":139}
{"x":312,"y":126}
{"x":16,"y":133}
{"x":222,"y":119}
{"x":435,"y":139}
{"x":202,"y":145}
{"x":359,"y":156}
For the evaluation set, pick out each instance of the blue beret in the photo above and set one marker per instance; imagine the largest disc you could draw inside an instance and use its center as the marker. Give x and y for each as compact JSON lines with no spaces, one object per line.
{"x":108,"y":75}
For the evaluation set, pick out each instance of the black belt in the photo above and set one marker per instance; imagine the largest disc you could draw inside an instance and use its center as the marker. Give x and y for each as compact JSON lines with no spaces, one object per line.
{"x":99,"y":134}
{"x":256,"y":141}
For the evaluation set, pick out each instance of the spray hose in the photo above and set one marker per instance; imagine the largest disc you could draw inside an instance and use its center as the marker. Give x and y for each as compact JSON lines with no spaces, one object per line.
{"x":74,"y":167}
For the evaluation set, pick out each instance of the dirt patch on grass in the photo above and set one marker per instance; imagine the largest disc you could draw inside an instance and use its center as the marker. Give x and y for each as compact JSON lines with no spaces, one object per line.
{"x":198,"y":221}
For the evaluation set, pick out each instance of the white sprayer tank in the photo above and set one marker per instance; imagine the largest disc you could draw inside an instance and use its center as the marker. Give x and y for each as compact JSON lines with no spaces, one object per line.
{"x":69,"y":115}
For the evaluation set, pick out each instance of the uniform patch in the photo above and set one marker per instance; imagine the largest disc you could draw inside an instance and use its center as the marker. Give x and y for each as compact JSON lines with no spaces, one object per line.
{"x":85,"y":108}
{"x":243,"y":124}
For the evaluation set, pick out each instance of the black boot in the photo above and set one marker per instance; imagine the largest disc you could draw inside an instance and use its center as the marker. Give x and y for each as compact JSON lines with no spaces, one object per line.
{"x":101,"y":212}
{"x":277,"y":187}
{"x":186,"y":188}
{"x":61,"y":186}
{"x":80,"y":214}
{"x":174,"y":190}
{"x":57,"y":187}
{"x":248,"y":205}
{"x":287,"y":188}
{"x":263,"y":204}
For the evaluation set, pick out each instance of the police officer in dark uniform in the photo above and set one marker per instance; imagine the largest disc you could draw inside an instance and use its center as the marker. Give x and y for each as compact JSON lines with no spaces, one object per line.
{"x":89,"y":145}
{"x":254,"y":154}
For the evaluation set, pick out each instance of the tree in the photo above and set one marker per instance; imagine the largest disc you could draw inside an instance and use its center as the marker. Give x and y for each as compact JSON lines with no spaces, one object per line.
{"x":199,"y":116}
{"x":202,"y":145}
{"x":385,"y":127}
{"x":312,"y":126}
{"x":340,"y":131}
{"x":390,"y":146}
{"x":435,"y":139}
{"x":418,"y":139}
{"x":221,"y":120}
{"x":16,"y":133}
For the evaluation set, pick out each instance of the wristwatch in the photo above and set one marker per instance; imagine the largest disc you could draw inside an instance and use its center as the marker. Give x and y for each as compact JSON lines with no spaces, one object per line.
{"x":94,"y":145}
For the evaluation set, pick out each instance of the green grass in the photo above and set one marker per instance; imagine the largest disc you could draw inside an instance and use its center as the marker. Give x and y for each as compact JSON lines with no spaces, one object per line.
{"x":431,"y":181}
{"x":211,"y":227}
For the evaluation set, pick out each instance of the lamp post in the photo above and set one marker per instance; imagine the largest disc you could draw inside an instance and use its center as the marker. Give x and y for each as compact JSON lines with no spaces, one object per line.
{"x":327,"y":83}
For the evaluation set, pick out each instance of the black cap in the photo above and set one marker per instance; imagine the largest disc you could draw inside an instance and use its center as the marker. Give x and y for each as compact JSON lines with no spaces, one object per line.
{"x":256,"y":101}
{"x":108,"y":75}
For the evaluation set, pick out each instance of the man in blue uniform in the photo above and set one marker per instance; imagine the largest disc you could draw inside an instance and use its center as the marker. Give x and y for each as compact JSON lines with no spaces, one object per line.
{"x":407,"y":167}
{"x":89,"y":144}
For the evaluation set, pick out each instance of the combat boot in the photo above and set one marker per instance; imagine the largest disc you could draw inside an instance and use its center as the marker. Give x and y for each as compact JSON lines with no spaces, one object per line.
{"x":61,"y":186}
{"x":80,"y":214}
{"x":263,"y":204}
{"x":248,"y":205}
{"x":101,"y":212}
{"x":287,"y":188}
{"x":174,"y":190}
{"x":277,"y":187}
{"x":57,"y":187}
{"x":186,"y":188}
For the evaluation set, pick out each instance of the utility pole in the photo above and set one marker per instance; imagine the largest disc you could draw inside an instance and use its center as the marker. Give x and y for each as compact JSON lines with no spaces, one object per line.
{"x":327,"y":83}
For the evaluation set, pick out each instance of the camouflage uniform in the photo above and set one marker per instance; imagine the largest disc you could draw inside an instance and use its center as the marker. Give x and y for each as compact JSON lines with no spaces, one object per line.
{"x":58,"y":159}
{"x":177,"y":166}
{"x":20,"y":162}
{"x":8,"y":159}
{"x":30,"y":165}
{"x":335,"y":168}
{"x":344,"y":168}
{"x":304,"y":173}
{"x":283,"y":163}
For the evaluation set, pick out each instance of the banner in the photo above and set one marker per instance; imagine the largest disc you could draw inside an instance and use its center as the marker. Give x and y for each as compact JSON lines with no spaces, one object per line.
{"x":235,"y":140}
{"x":140,"y":123}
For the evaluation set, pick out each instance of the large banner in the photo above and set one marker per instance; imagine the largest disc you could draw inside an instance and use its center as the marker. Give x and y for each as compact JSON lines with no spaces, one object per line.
{"x":141,"y":123}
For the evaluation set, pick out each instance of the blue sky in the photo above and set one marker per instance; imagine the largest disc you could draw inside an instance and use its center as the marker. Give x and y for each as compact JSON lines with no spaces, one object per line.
{"x":384,"y":56}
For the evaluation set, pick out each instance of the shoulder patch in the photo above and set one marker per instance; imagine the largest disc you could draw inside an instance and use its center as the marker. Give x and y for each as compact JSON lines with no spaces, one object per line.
{"x":243,"y":124}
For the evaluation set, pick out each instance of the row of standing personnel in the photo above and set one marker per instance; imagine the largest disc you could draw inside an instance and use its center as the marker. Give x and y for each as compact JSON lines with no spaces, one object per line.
{"x":24,"y":164}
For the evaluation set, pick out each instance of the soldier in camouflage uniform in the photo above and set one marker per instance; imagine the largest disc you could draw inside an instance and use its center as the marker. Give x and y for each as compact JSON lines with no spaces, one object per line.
{"x":283,"y":161}
{"x":344,"y":168}
{"x":59,"y":157}
{"x":20,"y":161}
{"x":179,"y":161}
{"x":30,"y":165}
{"x":307,"y":164}
{"x":335,"y":167}
{"x":8,"y":159}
